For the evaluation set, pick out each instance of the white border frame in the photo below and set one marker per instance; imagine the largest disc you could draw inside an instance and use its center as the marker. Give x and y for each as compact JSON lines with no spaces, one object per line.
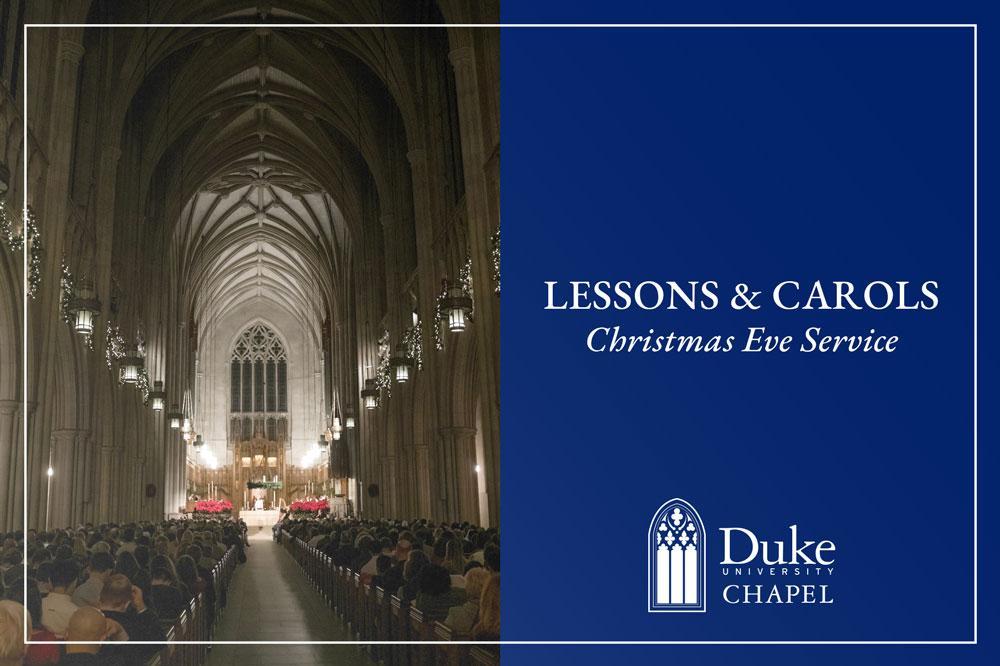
{"x":975,"y":306}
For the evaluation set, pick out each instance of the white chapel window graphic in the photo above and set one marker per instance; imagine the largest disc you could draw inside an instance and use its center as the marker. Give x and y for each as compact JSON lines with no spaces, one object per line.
{"x":676,"y":559}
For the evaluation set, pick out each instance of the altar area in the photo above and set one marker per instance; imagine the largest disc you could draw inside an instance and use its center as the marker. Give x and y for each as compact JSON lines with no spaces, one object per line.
{"x":262,"y":518}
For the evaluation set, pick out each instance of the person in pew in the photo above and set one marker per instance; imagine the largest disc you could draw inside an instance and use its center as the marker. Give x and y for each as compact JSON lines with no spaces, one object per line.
{"x":487,"y":628}
{"x":436,"y":594}
{"x":382,"y":566}
{"x":205,"y":573}
{"x":89,"y":624}
{"x":58,"y":606}
{"x":129,"y":567}
{"x":43,"y":576}
{"x":12,"y":619}
{"x":364,"y":550}
{"x":165,"y":596}
{"x":462,"y":618}
{"x":415,"y":563}
{"x":123,"y":602}
{"x":38,"y":655}
{"x":99,"y":568}
{"x":491,"y":558}
{"x":454,"y":561}
{"x":392,"y":579}
{"x":187,"y":573}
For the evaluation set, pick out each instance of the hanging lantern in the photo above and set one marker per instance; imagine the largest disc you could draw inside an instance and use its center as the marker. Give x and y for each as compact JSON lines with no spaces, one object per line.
{"x":349,"y":421}
{"x":174,"y":418}
{"x":370,"y":395}
{"x":402,"y":363}
{"x":131,"y":365}
{"x":456,"y":308}
{"x":336,"y":435}
{"x":198,"y":443}
{"x":85,"y":307}
{"x":336,"y":424}
{"x":322,"y":442}
{"x":157,"y":397}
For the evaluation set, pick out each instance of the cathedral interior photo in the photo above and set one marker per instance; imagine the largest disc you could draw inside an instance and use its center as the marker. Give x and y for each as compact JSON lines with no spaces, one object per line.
{"x":249,"y":331}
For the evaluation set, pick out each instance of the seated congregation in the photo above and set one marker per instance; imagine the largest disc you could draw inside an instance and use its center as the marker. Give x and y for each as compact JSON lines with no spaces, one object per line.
{"x":445,"y":575}
{"x":119,"y":585}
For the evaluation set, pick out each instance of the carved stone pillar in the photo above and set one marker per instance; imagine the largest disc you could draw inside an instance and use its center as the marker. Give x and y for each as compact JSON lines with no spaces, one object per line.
{"x":10,"y":443}
{"x":65,"y":486}
{"x":423,"y":481}
{"x":487,"y":320}
{"x":457,"y":458}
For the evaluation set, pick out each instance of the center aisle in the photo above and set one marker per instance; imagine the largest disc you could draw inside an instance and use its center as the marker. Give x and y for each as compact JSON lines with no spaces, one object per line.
{"x":271,"y":599}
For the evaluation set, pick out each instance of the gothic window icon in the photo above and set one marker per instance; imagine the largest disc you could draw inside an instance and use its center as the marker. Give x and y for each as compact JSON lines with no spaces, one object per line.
{"x":676,"y":554}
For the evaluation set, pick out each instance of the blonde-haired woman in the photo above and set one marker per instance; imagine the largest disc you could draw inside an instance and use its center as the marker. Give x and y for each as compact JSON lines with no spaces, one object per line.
{"x":488,"y":626}
{"x":462,"y":618}
{"x":12,"y":619}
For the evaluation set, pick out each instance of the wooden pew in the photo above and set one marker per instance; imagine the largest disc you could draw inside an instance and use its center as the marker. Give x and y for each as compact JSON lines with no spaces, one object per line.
{"x":448,"y":655}
{"x":421,"y":630}
{"x":399,"y":630}
{"x":484,"y":656}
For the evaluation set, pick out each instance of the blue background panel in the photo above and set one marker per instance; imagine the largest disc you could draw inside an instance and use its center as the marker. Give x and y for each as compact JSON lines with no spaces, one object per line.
{"x":738,"y":155}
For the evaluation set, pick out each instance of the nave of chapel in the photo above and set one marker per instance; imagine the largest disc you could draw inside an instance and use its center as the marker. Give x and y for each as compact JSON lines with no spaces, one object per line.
{"x":262,"y":288}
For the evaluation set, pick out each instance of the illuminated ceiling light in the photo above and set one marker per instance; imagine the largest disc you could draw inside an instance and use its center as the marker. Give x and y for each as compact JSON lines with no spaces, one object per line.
{"x":370,"y":395}
{"x":174,"y":417}
{"x":157,"y":396}
{"x":456,"y":308}
{"x":349,"y":418}
{"x":402,"y":363}
{"x":85,"y":307}
{"x":49,"y":472}
{"x":131,"y":365}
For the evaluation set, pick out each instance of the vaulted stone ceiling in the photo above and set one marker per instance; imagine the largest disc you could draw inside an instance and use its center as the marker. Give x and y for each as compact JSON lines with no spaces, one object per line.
{"x":265,"y":150}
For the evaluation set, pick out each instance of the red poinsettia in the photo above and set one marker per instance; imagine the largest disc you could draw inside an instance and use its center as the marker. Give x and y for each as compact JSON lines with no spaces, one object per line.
{"x":213,"y":506}
{"x":305,"y":506}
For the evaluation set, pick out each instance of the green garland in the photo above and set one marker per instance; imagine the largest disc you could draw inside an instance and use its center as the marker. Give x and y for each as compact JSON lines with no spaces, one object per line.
{"x":495,"y":255}
{"x":114,"y":348}
{"x":439,"y":316}
{"x":465,"y":281}
{"x":68,"y":284}
{"x":15,"y":241}
{"x":412,"y":341}
{"x":142,"y":383}
{"x":383,"y":374}
{"x":267,"y":485}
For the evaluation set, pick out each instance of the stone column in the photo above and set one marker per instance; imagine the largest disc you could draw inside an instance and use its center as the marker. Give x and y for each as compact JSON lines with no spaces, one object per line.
{"x":458,"y":460}
{"x":64,"y":488}
{"x":105,"y":469}
{"x":10,"y":444}
{"x":422,"y":464}
{"x":487,"y":307}
{"x":428,"y":284}
{"x":53,"y":212}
